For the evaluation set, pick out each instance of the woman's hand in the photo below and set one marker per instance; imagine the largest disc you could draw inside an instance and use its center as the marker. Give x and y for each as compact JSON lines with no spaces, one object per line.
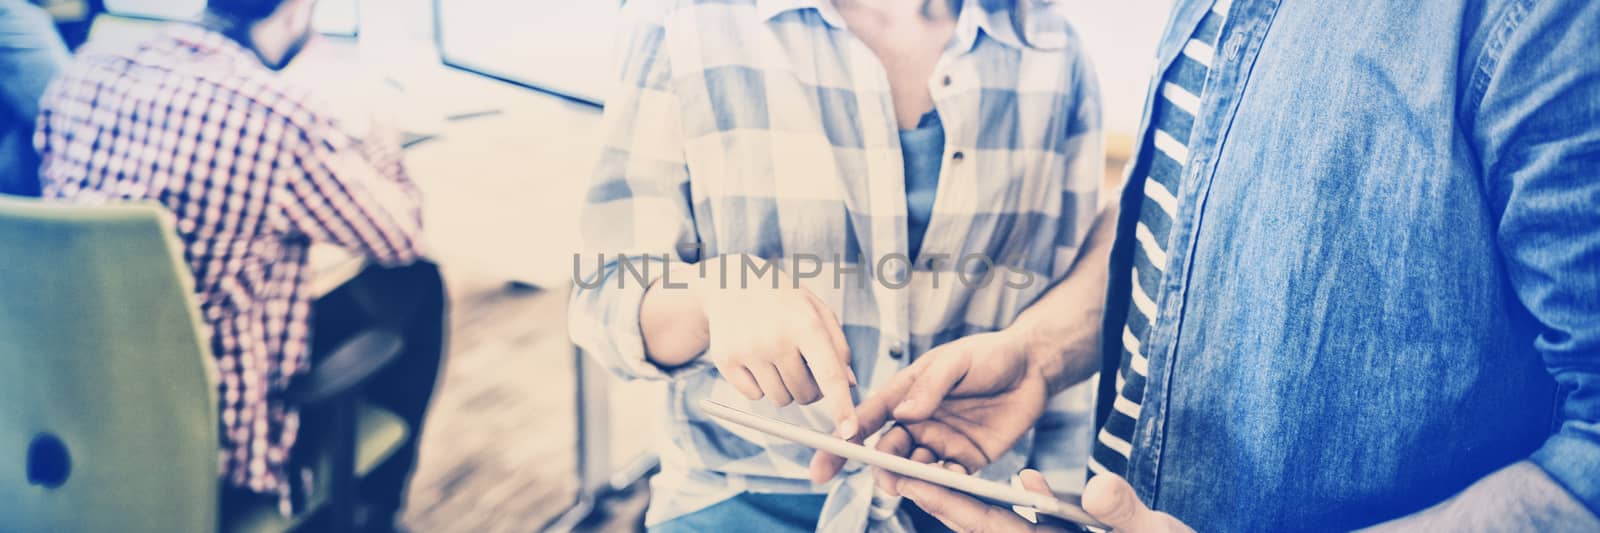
{"x":767,"y":336}
{"x":781,"y":343}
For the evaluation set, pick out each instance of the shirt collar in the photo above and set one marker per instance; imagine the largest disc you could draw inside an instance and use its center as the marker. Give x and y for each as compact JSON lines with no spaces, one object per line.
{"x":769,"y":9}
{"x":989,"y":17}
{"x":205,"y":41}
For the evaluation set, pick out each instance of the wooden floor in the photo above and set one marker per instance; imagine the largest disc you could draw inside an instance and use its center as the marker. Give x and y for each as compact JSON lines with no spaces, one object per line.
{"x":499,"y":445}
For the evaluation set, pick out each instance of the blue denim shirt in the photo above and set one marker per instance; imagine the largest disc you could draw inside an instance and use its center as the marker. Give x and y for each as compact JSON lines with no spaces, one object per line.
{"x":1384,"y":275}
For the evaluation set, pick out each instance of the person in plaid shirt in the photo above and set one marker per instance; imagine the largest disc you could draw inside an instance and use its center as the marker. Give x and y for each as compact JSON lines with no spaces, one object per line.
{"x":797,"y":199}
{"x":252,"y":173}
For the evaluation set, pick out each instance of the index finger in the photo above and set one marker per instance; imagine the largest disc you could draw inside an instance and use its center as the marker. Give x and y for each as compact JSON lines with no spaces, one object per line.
{"x":830,"y":322}
{"x":947,"y":367}
{"x":831,"y":374}
{"x":873,"y":413}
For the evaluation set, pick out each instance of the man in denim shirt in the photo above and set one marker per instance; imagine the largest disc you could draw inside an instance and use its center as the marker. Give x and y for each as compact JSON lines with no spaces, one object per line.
{"x":30,"y":55}
{"x":1379,"y":294}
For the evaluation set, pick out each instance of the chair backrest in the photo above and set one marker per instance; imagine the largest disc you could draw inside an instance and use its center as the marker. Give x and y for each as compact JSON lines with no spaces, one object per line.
{"x":107,"y":403}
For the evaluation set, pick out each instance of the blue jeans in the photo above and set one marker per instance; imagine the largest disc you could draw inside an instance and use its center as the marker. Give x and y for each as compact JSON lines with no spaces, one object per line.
{"x":776,"y":513}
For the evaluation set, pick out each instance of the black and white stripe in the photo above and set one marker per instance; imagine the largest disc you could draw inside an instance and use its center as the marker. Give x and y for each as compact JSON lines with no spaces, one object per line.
{"x":1164,"y":157}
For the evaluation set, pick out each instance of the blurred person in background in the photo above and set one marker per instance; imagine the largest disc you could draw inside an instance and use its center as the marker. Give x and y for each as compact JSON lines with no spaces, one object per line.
{"x":1355,"y":283}
{"x":30,"y":55}
{"x":870,"y":164}
{"x":73,"y":18}
{"x":253,"y":172}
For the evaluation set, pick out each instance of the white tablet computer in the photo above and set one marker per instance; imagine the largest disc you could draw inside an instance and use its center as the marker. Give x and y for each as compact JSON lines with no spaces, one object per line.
{"x":979,"y":487}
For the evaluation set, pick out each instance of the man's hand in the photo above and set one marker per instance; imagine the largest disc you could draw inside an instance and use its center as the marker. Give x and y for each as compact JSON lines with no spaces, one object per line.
{"x":1107,"y":498}
{"x":964,"y":402}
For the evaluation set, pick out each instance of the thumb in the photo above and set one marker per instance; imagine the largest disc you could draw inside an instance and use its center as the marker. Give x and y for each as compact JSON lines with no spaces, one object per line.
{"x":1034,"y":481}
{"x":1111,"y":500}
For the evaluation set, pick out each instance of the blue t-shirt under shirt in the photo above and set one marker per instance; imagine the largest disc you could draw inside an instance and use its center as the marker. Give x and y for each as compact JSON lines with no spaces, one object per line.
{"x":923,"y":151}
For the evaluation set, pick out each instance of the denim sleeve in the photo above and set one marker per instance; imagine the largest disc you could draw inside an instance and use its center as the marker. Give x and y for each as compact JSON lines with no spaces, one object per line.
{"x":636,"y":219}
{"x":30,"y":55}
{"x":1537,"y":130}
{"x":1520,"y":497}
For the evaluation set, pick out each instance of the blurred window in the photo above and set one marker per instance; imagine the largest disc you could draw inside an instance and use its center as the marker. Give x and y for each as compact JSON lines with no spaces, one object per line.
{"x":561,"y":47}
{"x":1121,"y":38}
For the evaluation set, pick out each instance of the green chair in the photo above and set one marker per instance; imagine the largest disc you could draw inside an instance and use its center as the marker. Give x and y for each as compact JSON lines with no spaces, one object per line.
{"x":108,"y":409}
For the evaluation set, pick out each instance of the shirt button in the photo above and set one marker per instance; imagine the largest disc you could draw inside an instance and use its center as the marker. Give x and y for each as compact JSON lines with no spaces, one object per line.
{"x":947,"y":81}
{"x":896,"y":273}
{"x":1235,"y":44}
{"x":958,"y":156}
{"x":897,"y":351}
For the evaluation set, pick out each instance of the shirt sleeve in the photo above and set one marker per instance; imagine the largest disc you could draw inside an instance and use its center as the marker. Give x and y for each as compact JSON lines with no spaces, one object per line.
{"x":355,"y":195}
{"x":637,"y":219}
{"x":1537,"y":130}
{"x":1084,"y":150}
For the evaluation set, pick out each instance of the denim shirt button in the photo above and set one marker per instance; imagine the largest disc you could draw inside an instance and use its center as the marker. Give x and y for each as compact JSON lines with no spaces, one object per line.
{"x":1235,"y":44}
{"x":897,"y":350}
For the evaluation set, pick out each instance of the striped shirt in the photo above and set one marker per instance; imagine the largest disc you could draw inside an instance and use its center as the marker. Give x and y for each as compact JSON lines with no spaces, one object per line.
{"x":251,"y":173}
{"x":764,"y":127}
{"x":1166,"y":152}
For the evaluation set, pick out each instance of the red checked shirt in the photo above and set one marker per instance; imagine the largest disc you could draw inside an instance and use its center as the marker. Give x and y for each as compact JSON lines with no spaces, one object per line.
{"x":252,"y":173}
